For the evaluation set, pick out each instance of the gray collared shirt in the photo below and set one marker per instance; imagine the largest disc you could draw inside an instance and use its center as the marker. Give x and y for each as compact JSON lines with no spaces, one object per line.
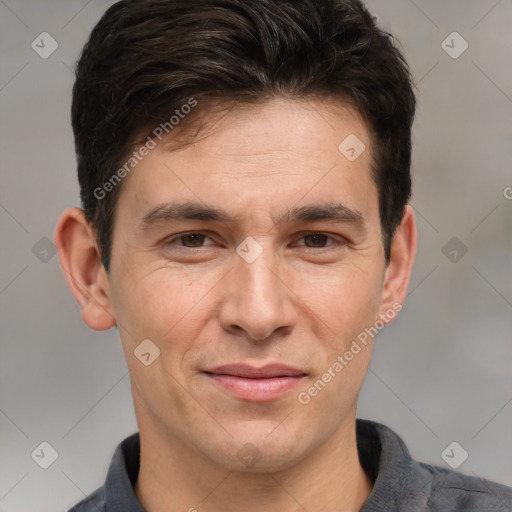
{"x":400,"y":482}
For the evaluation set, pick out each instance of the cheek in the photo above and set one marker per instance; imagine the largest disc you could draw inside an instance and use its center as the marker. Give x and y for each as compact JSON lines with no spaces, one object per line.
{"x":167,"y":307}
{"x":344,"y":301}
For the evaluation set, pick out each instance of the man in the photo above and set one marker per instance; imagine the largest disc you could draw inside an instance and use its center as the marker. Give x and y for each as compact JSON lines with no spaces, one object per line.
{"x":245,"y":173}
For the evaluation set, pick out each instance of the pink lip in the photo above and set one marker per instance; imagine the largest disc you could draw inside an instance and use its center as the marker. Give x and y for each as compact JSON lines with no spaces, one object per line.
{"x":256,"y":384}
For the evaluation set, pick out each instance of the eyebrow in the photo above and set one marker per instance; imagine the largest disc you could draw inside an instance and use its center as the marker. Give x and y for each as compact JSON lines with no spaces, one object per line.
{"x":188,"y":210}
{"x":330,"y":212}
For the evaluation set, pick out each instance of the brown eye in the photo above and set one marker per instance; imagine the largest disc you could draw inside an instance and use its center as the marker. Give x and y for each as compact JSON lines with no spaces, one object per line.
{"x":316,"y":240}
{"x":192,"y":240}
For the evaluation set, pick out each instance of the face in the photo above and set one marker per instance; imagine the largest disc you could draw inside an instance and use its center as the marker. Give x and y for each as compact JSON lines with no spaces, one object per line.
{"x":252,"y":259}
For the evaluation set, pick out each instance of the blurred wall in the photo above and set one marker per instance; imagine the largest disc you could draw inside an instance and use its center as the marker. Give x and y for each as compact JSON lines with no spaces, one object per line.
{"x":441,"y":373}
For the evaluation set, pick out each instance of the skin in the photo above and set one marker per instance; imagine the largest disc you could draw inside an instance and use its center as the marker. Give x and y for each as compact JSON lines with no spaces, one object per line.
{"x":301,"y":302}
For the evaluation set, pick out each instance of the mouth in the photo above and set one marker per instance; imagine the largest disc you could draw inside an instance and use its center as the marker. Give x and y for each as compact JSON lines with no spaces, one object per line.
{"x":256,"y":384}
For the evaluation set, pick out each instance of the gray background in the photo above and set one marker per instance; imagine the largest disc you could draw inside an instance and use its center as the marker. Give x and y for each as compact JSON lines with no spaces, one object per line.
{"x":441,"y":373}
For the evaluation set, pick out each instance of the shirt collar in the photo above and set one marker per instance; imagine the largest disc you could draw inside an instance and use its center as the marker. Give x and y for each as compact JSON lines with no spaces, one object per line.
{"x":122,"y":475}
{"x":399,"y":482}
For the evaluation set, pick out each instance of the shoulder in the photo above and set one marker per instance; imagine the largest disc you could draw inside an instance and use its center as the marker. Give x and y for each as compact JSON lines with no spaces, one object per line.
{"x":117,"y":491}
{"x":456,"y":492}
{"x":402,"y":483}
{"x":95,"y":502}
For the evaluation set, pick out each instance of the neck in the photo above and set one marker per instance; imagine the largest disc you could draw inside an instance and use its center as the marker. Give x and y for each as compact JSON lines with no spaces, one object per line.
{"x":173,"y":478}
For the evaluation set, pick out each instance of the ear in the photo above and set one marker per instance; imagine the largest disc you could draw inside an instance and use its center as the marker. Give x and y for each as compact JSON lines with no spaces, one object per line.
{"x":86,"y":276}
{"x":398,"y":271}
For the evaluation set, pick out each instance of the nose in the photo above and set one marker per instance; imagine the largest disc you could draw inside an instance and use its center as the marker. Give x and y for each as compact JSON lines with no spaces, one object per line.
{"x":257,"y":303}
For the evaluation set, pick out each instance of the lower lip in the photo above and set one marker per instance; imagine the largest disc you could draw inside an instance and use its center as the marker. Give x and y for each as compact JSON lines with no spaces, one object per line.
{"x":256,"y":390}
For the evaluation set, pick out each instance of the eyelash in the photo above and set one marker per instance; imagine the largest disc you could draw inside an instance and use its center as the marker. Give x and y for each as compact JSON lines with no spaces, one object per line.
{"x":336,"y":240}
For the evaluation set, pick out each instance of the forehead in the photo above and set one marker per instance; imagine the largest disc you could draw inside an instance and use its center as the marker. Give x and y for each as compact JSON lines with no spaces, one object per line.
{"x":297,"y":126}
{"x":258,"y":157}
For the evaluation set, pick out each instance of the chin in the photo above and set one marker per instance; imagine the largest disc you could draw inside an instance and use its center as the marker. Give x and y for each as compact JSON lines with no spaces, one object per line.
{"x":260,"y":455}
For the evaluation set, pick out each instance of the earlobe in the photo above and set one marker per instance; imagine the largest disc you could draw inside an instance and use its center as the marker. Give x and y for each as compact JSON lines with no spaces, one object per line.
{"x":81,"y":263}
{"x":398,"y":271}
